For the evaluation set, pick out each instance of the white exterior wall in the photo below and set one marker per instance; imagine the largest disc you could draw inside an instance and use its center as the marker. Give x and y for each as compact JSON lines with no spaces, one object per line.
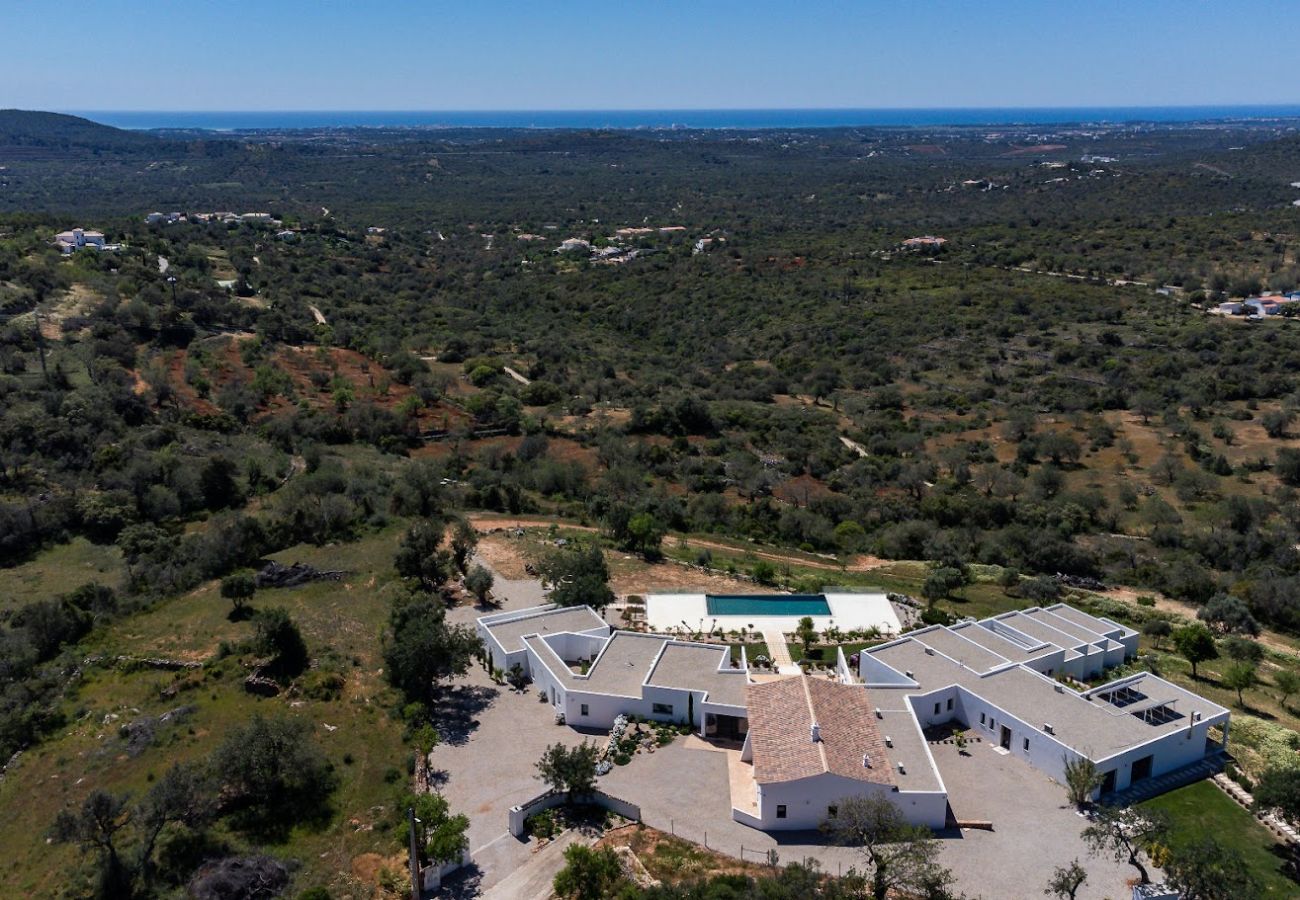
{"x":923,"y":706}
{"x":1045,"y":753}
{"x":1053,"y":662}
{"x":808,"y":800}
{"x":1169,"y":752}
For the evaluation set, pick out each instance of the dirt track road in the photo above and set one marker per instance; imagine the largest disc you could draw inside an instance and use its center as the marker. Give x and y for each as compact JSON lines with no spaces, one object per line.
{"x":861,"y":563}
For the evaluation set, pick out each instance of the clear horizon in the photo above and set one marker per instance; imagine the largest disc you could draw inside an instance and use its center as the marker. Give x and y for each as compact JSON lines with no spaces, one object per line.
{"x":306,"y":56}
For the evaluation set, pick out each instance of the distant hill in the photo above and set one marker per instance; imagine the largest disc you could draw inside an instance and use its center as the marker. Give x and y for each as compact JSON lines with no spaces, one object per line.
{"x":27,"y":128}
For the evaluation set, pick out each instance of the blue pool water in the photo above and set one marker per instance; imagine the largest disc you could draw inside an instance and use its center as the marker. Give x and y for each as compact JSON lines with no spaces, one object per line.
{"x":767,"y":605}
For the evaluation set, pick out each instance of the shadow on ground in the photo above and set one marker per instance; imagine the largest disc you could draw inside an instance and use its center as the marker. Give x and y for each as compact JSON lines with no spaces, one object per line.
{"x":456,"y":710}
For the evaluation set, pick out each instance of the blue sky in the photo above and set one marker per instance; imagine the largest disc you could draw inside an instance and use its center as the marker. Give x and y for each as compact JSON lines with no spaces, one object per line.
{"x":478,"y":54}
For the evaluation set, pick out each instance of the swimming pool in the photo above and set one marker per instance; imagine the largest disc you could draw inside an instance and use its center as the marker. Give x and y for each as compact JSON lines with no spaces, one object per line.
{"x":767,"y":605}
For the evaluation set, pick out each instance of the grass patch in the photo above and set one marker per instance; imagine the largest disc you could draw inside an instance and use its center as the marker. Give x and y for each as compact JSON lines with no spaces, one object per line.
{"x":1202,"y":809}
{"x":751,"y":650}
{"x":60,"y":570}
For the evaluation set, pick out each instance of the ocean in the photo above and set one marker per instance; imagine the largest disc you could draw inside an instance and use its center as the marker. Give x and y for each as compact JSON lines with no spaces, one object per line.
{"x":679,"y":118}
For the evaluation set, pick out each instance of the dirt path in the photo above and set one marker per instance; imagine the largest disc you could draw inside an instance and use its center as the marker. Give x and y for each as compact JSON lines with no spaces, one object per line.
{"x":854,"y":446}
{"x":318,"y":315}
{"x":861,"y":563}
{"x":1269,"y":639}
{"x":515,"y":375}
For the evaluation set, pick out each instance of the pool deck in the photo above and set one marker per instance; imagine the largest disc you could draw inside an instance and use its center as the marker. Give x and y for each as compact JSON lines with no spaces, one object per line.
{"x":848,"y":611}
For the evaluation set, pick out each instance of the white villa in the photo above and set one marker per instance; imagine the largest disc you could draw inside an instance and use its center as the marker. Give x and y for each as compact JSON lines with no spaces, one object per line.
{"x":77,"y":238}
{"x":809,"y":741}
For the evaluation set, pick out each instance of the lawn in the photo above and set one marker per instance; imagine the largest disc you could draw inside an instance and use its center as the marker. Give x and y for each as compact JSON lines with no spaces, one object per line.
{"x":1202,"y":809}
{"x":60,"y":570}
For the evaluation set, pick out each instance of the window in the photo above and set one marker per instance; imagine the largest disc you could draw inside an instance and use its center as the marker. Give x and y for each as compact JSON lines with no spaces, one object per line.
{"x":584,"y":709}
{"x":662,"y":709}
{"x":949,"y":704}
{"x":780,"y":811}
{"x":981,"y":718}
{"x":936,"y":709}
{"x":993,"y":723}
{"x":832,"y":811}
{"x":1026,"y":745}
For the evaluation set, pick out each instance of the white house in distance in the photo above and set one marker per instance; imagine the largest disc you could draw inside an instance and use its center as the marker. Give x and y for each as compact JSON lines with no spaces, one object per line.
{"x":808,"y":742}
{"x":79,"y":238}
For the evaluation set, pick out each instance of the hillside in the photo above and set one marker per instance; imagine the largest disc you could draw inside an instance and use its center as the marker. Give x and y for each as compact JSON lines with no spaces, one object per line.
{"x":30,"y":128}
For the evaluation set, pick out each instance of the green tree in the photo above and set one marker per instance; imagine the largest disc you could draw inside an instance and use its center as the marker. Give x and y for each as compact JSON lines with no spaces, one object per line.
{"x":442,"y":835}
{"x":278,"y":636}
{"x":1127,"y":835}
{"x":1207,"y":870}
{"x":1081,"y":780}
{"x":1276,"y":422}
{"x":577,"y":576}
{"x":1157,"y":630}
{"x":940,"y":584}
{"x":184,"y":796}
{"x":273,"y":772}
{"x":589,"y":873}
{"x":1239,"y":677}
{"x":645,"y":535}
{"x":1195,"y":644}
{"x":1287,"y":466}
{"x":850,"y":537}
{"x":96,"y":826}
{"x":900,"y":858}
{"x":1243,"y":649}
{"x":238,"y":588}
{"x":1278,"y":788}
{"x":805,"y":633}
{"x":569,"y":769}
{"x":479,"y":581}
{"x":217,"y":481}
{"x":463,"y":541}
{"x":421,"y":649}
{"x":1228,"y":615}
{"x":1066,"y":881}
{"x":420,"y":555}
{"x":1288,"y":683}
{"x":764,"y":572}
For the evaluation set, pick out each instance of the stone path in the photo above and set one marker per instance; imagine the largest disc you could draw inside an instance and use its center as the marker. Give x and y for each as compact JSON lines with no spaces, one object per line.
{"x":780,"y":653}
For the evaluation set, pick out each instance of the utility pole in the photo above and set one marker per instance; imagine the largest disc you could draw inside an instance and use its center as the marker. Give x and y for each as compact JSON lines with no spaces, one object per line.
{"x":415,"y":858}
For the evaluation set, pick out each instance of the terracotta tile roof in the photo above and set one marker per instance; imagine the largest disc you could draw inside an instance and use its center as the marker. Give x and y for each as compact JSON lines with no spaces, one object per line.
{"x":781,"y":716}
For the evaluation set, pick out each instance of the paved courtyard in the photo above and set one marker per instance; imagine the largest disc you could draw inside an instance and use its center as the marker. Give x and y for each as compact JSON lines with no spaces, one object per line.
{"x":685,"y":791}
{"x":1034,"y":828}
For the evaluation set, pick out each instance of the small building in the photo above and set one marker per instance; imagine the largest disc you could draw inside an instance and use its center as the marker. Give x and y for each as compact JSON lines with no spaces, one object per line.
{"x":79,"y":238}
{"x":924,"y":242}
{"x":1229,"y":308}
{"x":570,"y":244}
{"x":1264,"y":306}
{"x":287,"y":235}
